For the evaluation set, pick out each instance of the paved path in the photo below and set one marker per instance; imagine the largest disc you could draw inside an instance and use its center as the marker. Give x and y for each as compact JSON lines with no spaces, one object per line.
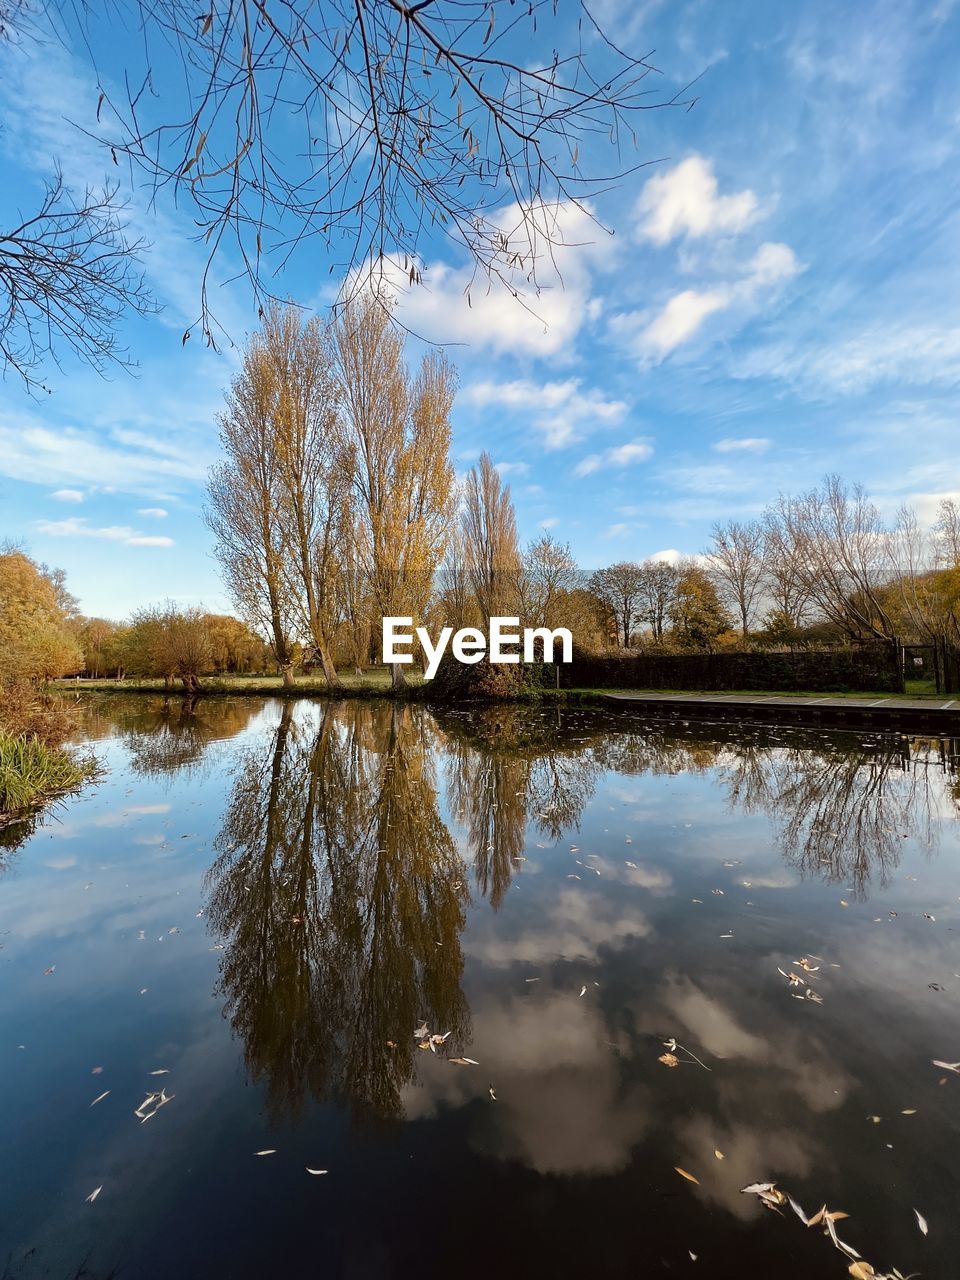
{"x":894,"y":711}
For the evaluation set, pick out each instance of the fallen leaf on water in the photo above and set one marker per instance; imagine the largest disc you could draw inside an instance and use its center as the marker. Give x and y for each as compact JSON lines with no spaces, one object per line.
{"x":861,"y":1270}
{"x":464,"y":1062}
{"x":268,"y":1151}
{"x":719,"y":1155}
{"x":52,"y":969}
{"x":97,"y":1071}
{"x":316,"y":1172}
{"x":947,"y":1066}
{"x":93,"y":1195}
{"x":583,"y":991}
{"x":669,"y":1059}
{"x":100,"y":1099}
{"x":911,"y":1112}
{"x":492,"y":1094}
{"x":163,"y":1071}
{"x":689,"y":1176}
{"x":921,"y":1221}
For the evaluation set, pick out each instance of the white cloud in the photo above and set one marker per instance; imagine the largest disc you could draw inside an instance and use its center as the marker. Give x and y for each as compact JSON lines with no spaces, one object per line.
{"x":670,"y":555}
{"x":912,"y":355}
{"x":744,"y":444}
{"x":679,"y":320}
{"x":38,"y":453}
{"x":551,"y":522}
{"x":68,"y":495}
{"x":684,"y":202}
{"x":562,"y":412}
{"x":512,"y":468}
{"x":153,"y":513}
{"x":624,"y":455}
{"x":453,"y":304}
{"x":77,"y":527}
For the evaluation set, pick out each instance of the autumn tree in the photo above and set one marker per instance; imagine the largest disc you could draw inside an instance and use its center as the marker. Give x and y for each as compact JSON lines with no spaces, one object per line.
{"x":697,"y":615}
{"x":492,"y":553}
{"x":244,"y":508}
{"x":395,"y":431}
{"x":36,"y":639}
{"x":171,"y":643}
{"x":738,"y":562}
{"x":618,"y":586}
{"x":312,"y":479}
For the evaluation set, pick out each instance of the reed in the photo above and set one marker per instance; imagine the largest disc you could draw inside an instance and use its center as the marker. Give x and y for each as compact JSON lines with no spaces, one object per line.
{"x":32,"y":773}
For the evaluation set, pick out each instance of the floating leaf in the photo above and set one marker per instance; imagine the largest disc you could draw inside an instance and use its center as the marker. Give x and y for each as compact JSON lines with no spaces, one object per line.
{"x":268,"y":1151}
{"x":669,"y":1059}
{"x":317,"y":1172}
{"x":100,"y":1099}
{"x":719,"y":1155}
{"x":921,"y":1221}
{"x":93,"y":1194}
{"x":689,"y":1176}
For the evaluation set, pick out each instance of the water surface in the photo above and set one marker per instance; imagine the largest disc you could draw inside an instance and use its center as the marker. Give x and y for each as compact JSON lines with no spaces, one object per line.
{"x":266,"y":901}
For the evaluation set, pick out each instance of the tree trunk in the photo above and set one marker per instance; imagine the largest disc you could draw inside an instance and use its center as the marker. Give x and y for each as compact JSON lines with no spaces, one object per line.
{"x":286,"y":671}
{"x":329,"y":670}
{"x":397,"y":680}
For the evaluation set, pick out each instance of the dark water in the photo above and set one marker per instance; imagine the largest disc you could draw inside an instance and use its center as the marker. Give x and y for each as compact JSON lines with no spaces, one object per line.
{"x":267,"y":901}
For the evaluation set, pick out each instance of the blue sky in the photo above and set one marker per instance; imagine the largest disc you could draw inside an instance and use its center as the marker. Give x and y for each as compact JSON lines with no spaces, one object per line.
{"x":780,"y":299}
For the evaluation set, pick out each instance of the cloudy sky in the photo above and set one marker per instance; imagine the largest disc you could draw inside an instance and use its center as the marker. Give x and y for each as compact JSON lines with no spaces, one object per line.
{"x":779,"y":299}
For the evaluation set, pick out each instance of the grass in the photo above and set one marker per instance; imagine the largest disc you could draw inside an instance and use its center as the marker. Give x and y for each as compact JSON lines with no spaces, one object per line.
{"x":374,"y":681}
{"x":32,"y":773}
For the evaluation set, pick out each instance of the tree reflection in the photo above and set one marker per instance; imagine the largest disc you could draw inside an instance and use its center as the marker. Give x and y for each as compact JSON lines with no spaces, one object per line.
{"x":509,"y":764}
{"x":340,"y":896}
{"x":167,"y":735}
{"x":842,"y":804}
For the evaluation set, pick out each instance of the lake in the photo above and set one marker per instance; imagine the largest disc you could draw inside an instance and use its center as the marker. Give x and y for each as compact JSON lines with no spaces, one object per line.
{"x":353,"y":989}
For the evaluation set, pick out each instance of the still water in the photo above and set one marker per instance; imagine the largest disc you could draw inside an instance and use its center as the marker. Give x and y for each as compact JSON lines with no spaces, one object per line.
{"x":460,"y":994}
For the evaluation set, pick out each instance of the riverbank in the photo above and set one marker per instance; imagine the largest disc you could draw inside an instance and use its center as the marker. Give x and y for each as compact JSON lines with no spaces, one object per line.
{"x":33,"y":774}
{"x":923,"y":714}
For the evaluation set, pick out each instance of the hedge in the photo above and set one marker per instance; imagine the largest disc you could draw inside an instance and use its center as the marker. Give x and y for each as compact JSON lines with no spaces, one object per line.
{"x":870,"y":669}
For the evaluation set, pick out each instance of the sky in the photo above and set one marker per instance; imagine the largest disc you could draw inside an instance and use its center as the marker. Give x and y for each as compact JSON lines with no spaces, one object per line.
{"x":778,"y":300}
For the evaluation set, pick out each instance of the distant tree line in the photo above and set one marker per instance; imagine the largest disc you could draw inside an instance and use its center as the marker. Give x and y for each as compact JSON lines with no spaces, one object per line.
{"x":335,"y":504}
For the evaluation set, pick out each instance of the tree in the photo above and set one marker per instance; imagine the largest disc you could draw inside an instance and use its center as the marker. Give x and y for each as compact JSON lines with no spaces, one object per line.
{"x":310,"y":506}
{"x":36,"y":642}
{"x":657,"y":588}
{"x":395,"y":431}
{"x":489,"y":526}
{"x":697,"y":615}
{"x":738,"y":562}
{"x":947,"y":533}
{"x":234,"y":647}
{"x":401,"y":117}
{"x":838,"y":547}
{"x":549,"y":573}
{"x":68,"y":273}
{"x":171,"y":643}
{"x":786,"y":583}
{"x":618,"y":586}
{"x":243,"y":509}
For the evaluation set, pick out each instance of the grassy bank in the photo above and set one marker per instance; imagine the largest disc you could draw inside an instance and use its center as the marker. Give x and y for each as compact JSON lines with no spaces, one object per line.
{"x":31,"y":773}
{"x":374,"y":683}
